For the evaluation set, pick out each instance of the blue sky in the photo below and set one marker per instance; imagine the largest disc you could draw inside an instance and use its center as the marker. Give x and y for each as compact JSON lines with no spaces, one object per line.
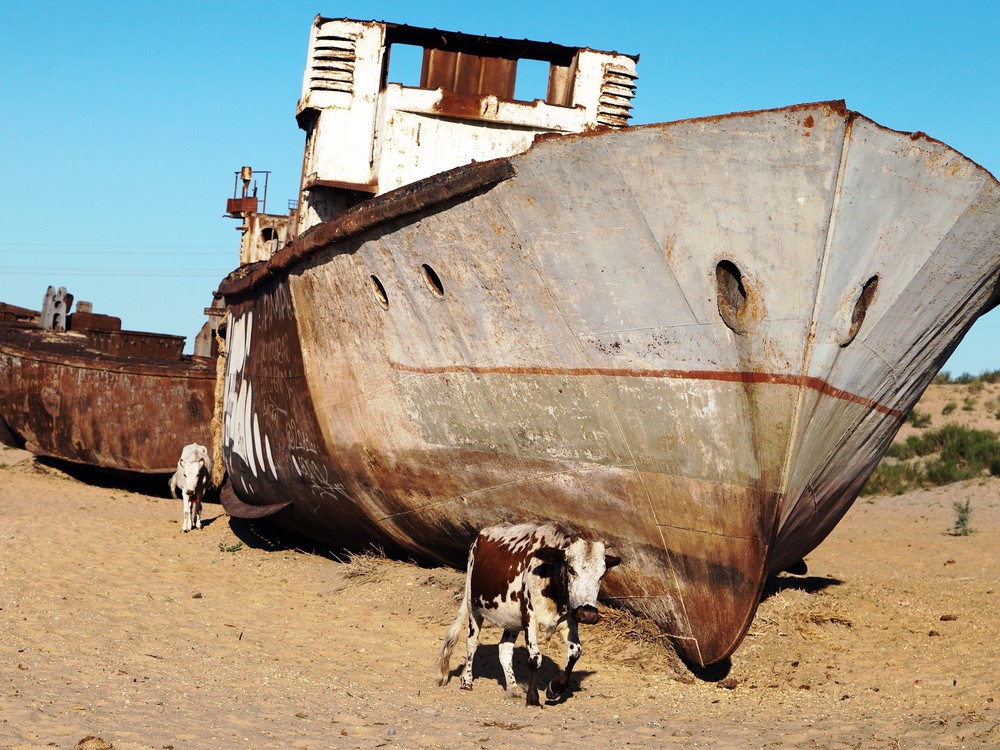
{"x":121,"y":124}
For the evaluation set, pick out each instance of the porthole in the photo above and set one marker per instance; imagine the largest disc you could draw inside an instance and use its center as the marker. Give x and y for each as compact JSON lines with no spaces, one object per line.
{"x":729,"y":281}
{"x":861,"y":308}
{"x":433,"y":280}
{"x":380,"y":295}
{"x":740,"y":298}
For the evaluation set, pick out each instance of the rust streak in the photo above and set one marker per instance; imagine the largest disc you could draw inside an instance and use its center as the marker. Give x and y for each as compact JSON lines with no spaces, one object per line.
{"x":725,"y":376}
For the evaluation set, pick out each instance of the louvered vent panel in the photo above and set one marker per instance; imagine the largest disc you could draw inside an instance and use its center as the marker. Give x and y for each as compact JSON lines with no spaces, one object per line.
{"x":614,"y":107}
{"x":333,"y":64}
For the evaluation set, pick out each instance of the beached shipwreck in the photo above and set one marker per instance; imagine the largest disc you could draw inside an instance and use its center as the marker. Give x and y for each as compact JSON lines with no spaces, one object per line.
{"x":76,"y":387}
{"x":694,"y":340}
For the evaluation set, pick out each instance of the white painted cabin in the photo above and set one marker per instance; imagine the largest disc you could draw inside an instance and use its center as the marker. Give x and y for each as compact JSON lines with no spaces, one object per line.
{"x":367,"y":134}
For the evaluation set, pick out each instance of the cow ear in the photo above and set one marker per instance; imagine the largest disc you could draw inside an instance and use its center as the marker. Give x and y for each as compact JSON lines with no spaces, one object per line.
{"x":611,"y":561}
{"x":550,"y":555}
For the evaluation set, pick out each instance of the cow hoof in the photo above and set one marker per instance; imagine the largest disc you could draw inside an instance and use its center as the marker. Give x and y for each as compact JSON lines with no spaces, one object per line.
{"x":466,"y":686}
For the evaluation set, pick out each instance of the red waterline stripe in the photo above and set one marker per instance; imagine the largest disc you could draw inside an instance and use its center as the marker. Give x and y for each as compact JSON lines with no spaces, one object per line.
{"x":726,"y":376}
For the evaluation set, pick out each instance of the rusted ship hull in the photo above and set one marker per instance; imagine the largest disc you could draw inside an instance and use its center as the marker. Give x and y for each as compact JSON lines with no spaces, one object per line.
{"x":62,"y":398}
{"x":695,"y":340}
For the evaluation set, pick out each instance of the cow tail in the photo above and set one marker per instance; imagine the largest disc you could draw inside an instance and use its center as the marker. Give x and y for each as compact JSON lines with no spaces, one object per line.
{"x":454,"y":632}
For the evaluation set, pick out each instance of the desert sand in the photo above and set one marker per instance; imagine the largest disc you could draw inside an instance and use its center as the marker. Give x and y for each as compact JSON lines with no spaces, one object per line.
{"x":119,"y":630}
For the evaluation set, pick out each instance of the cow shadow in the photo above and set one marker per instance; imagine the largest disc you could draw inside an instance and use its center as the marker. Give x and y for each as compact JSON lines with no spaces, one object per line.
{"x":208,"y":521}
{"x":487,"y":669}
{"x":575,"y":684}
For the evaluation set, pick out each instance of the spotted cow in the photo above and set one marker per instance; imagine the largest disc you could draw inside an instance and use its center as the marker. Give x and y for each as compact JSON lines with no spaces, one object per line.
{"x":533,"y":577}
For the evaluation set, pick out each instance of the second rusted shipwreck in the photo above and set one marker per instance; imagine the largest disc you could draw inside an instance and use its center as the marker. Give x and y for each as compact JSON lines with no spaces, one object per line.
{"x":76,"y":387}
{"x":694,"y":340}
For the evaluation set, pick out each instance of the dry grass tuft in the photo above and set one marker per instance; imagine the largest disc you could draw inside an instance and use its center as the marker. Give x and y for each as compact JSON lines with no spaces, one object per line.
{"x":364,"y":565}
{"x":806,"y":615}
{"x":819,"y":621}
{"x":369,"y":566}
{"x":508,"y":725}
{"x":625,"y":637}
{"x":624,"y":626}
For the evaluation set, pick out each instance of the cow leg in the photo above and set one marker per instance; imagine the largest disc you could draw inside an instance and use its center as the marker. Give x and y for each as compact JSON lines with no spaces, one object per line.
{"x":569,"y":633}
{"x":471,"y":644}
{"x":506,"y":651}
{"x":187,"y":513}
{"x":197,"y":512}
{"x":534,"y":660}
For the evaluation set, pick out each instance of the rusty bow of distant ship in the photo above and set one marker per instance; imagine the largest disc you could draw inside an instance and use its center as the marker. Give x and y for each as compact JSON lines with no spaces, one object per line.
{"x":95,"y":395}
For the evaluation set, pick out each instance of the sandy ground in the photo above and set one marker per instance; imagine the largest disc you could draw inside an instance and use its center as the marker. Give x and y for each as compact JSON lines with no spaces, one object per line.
{"x":119,"y":628}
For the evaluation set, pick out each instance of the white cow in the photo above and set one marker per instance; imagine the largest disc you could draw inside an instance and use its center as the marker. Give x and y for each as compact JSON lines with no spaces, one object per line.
{"x":194,"y":472}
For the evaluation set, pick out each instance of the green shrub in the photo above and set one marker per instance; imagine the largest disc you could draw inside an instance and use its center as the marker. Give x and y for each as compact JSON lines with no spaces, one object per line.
{"x":945,"y":471}
{"x":952,"y":454}
{"x":945,"y":378}
{"x":991,"y":376}
{"x":979,"y":448}
{"x":963,"y":514}
{"x":893,"y":479}
{"x":918,"y":419}
{"x":948,"y":408}
{"x":902,"y":451}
